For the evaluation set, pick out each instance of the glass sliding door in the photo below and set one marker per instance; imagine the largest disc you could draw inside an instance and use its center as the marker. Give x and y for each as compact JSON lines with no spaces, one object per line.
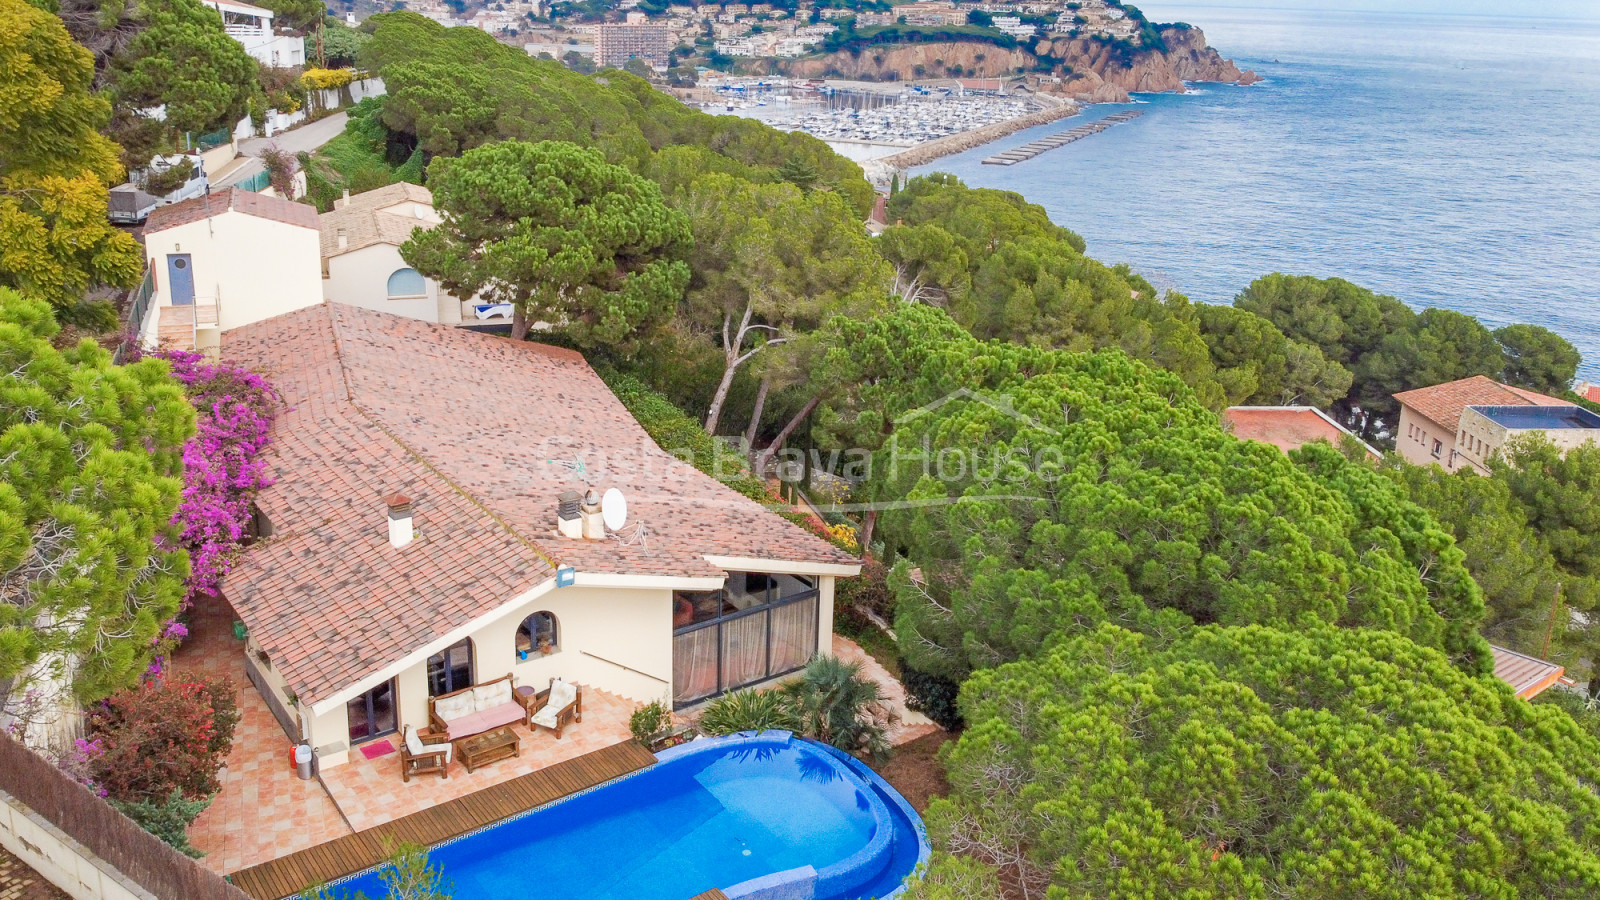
{"x":758,"y":627}
{"x":450,"y":670}
{"x":372,"y":715}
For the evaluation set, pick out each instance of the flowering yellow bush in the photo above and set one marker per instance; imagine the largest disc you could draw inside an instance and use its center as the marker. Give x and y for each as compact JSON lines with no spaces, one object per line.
{"x":323,"y":79}
{"x":844,"y":535}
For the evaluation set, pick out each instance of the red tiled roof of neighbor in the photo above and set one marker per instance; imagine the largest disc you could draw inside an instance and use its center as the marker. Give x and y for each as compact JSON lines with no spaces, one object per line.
{"x":1592,"y":393}
{"x":1285,"y":427}
{"x":1443,"y":403}
{"x":1527,"y":675}
{"x":482,"y":433}
{"x":262,"y":206}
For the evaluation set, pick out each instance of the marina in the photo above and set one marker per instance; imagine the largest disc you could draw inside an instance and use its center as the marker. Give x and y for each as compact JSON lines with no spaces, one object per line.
{"x":1030,"y":150}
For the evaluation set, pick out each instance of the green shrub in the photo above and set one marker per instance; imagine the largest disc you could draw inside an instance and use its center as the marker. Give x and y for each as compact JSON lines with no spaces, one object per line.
{"x":749,"y":710}
{"x":168,"y":819}
{"x":649,"y":720}
{"x":932,"y":695}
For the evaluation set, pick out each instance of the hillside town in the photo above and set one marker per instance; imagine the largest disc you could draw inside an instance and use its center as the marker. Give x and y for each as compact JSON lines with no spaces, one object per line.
{"x":765,"y":29}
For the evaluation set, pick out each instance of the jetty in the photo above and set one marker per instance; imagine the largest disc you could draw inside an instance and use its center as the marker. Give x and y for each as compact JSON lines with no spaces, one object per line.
{"x":1030,"y":150}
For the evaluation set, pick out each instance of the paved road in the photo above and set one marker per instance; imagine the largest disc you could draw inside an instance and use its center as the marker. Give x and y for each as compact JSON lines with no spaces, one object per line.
{"x":307,"y":137}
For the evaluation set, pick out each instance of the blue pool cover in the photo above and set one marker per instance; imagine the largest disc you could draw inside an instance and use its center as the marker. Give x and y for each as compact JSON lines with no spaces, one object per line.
{"x":764,"y":817}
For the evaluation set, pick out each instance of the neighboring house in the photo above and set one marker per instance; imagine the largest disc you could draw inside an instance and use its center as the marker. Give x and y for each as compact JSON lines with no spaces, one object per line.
{"x":1288,"y":427}
{"x":224,"y":260}
{"x":361,"y":262}
{"x":412,"y":544}
{"x":1529,"y":676}
{"x":251,"y":26}
{"x":1436,"y":427}
{"x":1587,"y":391}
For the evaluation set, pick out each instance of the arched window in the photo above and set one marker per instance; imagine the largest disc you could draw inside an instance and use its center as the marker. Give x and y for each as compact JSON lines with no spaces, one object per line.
{"x":450,"y":670}
{"x":407,"y":283}
{"x":537,"y":636}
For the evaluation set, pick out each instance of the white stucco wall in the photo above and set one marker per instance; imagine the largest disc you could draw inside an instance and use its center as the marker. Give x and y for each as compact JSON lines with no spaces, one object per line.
{"x":361,"y":278}
{"x":600,"y":631}
{"x":255,"y":268}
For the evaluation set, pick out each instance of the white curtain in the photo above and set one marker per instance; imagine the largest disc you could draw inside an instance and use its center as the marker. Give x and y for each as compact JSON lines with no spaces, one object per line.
{"x":694,"y":664}
{"x":794,"y":635}
{"x":744,"y":650}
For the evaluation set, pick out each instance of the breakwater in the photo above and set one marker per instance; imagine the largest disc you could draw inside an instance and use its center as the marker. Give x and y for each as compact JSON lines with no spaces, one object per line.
{"x":1030,"y":150}
{"x":927,"y":152}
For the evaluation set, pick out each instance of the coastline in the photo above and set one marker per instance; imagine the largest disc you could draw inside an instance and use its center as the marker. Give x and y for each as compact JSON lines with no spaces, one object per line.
{"x":884,"y":167}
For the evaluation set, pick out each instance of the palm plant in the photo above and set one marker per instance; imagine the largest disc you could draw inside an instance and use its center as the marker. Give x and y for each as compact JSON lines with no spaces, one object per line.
{"x":835,"y":704}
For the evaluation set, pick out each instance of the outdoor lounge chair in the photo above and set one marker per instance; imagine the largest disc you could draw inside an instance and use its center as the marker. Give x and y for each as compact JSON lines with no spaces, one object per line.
{"x":561,"y":705}
{"x":417,"y":757}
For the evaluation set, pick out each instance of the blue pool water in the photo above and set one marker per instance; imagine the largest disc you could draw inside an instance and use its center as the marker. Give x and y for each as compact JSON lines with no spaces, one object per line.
{"x":715,"y":813}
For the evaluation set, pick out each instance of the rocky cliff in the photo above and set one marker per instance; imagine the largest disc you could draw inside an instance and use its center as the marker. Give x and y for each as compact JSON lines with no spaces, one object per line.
{"x":1090,"y":70}
{"x":1099,"y":74}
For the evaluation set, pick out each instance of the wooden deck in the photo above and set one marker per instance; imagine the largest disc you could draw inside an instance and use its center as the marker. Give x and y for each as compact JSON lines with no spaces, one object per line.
{"x":713,"y":894}
{"x":289,"y":875}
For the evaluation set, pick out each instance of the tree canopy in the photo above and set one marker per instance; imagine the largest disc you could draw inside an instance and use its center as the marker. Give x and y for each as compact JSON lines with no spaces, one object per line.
{"x":89,"y":464}
{"x":1254,"y":762}
{"x":453,"y":89}
{"x":55,"y":166}
{"x":553,"y":229}
{"x":162,"y":53}
{"x":1042,"y":492}
{"x":772,"y":263}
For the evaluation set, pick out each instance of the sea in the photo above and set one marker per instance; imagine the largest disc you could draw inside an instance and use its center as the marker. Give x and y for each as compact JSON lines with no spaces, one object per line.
{"x":1449,"y":159}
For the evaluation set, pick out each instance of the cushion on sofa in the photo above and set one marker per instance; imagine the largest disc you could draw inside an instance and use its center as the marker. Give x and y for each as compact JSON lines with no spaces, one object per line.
{"x":488,"y":695}
{"x":453,"y":708}
{"x":479,"y":722}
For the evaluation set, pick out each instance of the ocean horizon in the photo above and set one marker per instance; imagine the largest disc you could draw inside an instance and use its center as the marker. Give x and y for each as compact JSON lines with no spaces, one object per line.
{"x":1447,"y":159}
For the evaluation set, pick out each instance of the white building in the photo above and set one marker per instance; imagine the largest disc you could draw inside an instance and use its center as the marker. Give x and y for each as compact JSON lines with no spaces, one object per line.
{"x":361,"y":262}
{"x":1015,"y":27}
{"x":252,"y":27}
{"x":227,"y":259}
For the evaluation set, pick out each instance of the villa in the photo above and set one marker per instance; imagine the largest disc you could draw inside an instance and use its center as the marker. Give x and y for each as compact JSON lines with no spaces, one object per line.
{"x":1462,"y":424}
{"x":411,"y":545}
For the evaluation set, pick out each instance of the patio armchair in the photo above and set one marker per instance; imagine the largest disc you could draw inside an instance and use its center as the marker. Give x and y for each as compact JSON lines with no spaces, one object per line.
{"x":418,"y":756}
{"x":559,"y":705}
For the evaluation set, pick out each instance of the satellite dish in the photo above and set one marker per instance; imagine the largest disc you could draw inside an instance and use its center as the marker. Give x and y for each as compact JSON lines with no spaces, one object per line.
{"x":614,"y":509}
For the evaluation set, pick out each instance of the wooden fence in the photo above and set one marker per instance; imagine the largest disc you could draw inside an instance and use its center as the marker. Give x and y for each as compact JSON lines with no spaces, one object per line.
{"x":140,"y":856}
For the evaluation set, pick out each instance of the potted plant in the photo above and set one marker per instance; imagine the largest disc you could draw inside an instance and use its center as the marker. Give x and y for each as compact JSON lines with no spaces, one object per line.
{"x":652,"y":727}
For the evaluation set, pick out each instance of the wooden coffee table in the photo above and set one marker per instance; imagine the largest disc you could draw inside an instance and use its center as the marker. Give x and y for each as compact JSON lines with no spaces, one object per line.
{"x":480,"y":749}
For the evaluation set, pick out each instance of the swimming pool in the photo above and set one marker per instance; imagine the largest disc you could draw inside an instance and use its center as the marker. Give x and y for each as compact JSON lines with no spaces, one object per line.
{"x":759,"y":816}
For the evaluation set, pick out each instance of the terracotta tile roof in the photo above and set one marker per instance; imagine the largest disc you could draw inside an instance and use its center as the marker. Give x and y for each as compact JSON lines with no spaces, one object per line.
{"x":482,"y":433}
{"x":1591,"y":392}
{"x":365,"y":222}
{"x":262,"y":206}
{"x":1285,"y":427}
{"x":1443,"y":403}
{"x":388,"y":195}
{"x":1527,"y":675}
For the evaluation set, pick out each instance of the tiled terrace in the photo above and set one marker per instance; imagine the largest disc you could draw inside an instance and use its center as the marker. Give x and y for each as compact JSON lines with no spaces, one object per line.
{"x":370,"y":792}
{"x":265,"y":811}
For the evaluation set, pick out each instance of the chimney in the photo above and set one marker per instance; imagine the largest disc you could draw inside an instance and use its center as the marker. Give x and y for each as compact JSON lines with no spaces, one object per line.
{"x":594,"y":524}
{"x":344,"y":201}
{"x":400,"y":530}
{"x":569,"y":516}
{"x":344,"y":242}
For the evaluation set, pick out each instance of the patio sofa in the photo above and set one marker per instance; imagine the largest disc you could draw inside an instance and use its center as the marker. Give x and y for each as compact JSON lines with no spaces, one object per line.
{"x":474,"y":710}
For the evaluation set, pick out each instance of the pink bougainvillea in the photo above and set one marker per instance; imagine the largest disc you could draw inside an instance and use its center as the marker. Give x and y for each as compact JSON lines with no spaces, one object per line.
{"x":223,"y":467}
